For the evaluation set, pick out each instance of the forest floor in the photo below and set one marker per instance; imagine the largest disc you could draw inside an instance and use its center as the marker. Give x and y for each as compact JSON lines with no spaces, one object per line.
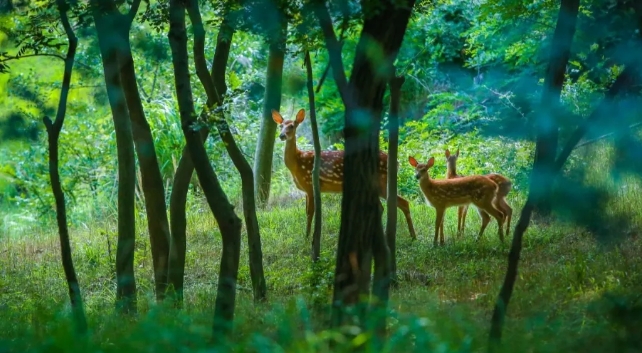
{"x":573,"y":294}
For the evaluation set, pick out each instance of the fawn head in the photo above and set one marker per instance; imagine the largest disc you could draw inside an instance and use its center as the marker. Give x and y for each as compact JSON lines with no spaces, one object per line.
{"x":421,"y":170}
{"x":288,"y":127}
{"x":451,"y":159}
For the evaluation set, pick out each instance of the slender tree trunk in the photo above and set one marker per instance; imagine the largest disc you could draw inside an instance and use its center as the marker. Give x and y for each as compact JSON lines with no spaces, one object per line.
{"x":183,"y":175}
{"x":228,"y":222}
{"x":53,"y":134}
{"x":125,"y":280}
{"x":241,"y":164}
{"x":393,"y":147}
{"x":265,"y":143}
{"x":316,"y":184}
{"x":542,"y":175}
{"x":361,"y":229}
{"x":152,"y":180}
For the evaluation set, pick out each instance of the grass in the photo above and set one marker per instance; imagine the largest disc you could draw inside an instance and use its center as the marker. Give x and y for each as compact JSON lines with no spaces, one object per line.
{"x":443,"y":303}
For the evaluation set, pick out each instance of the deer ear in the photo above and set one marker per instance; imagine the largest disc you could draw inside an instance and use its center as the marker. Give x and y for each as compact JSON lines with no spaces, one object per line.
{"x":276,"y":116}
{"x":431,"y":162}
{"x":457,"y":154}
{"x":447,"y":153}
{"x":412,"y":161}
{"x":300,"y":116}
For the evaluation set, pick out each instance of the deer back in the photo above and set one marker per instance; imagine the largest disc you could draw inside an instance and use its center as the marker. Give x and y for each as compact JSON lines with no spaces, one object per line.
{"x":503,"y":182}
{"x":458,"y":191}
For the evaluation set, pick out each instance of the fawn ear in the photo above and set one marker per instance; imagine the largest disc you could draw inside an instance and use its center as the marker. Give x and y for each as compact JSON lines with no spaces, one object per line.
{"x":300,"y":116}
{"x":276,"y":116}
{"x":412,"y":161}
{"x":447,"y":153}
{"x":457,"y":154}
{"x":431,"y":162}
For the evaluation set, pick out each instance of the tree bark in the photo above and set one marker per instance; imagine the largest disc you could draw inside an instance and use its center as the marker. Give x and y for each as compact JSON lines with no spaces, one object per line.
{"x":125,"y":281}
{"x":316,"y":183}
{"x":183,"y":175}
{"x":6,"y":6}
{"x":542,"y":175}
{"x":152,"y":180}
{"x":228,"y":222}
{"x":393,"y":147}
{"x":241,"y":164}
{"x":361,"y":229}
{"x":272,"y":100}
{"x":53,"y":134}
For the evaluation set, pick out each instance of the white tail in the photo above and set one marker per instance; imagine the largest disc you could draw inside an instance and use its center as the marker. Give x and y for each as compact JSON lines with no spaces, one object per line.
{"x":444,"y":193}
{"x":300,"y":164}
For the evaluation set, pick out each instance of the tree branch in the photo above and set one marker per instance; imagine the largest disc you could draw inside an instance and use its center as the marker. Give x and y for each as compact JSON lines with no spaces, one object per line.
{"x":132,"y":12}
{"x":344,"y":25}
{"x":334,"y":51}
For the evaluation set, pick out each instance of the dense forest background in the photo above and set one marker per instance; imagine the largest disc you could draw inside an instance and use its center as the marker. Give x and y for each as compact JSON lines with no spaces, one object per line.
{"x":545,"y":93}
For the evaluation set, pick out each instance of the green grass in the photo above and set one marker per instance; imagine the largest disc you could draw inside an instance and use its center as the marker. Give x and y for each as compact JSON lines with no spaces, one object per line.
{"x":443,"y":303}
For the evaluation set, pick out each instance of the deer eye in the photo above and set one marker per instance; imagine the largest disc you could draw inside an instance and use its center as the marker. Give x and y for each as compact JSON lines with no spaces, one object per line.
{"x":290,"y":127}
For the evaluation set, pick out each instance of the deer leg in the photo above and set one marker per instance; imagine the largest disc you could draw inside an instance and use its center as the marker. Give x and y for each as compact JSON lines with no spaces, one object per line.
{"x":508,"y":212}
{"x":441,"y":230}
{"x":485,"y":218}
{"x":489,"y":207}
{"x":404,"y":206}
{"x":464,"y":212}
{"x":460,"y":213}
{"x":309,"y":210}
{"x":438,"y":223}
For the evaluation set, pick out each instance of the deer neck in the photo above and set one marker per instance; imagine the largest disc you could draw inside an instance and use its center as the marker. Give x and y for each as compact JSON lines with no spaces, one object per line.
{"x":451,"y":171}
{"x":291,"y":153}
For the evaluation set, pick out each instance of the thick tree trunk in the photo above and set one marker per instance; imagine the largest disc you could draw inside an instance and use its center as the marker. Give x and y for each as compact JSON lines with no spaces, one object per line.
{"x":228,"y":222}
{"x":152,"y":180}
{"x":53,"y":133}
{"x":125,"y":280}
{"x":241,"y":164}
{"x":316,"y":183}
{"x":272,"y":100}
{"x":183,"y":175}
{"x":543,"y":174}
{"x":393,"y":147}
{"x":361,"y":229}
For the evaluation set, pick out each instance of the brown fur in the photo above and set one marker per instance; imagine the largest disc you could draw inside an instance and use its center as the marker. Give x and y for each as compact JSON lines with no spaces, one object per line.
{"x":300,"y":164}
{"x":444,"y":193}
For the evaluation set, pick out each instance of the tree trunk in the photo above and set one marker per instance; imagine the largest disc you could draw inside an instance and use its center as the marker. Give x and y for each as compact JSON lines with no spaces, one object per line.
{"x":265,"y":143}
{"x":183,"y":175}
{"x":542,"y":175}
{"x":53,"y":133}
{"x":316,"y":185}
{"x":361,"y":229}
{"x":393,"y":147}
{"x":241,"y":164}
{"x":125,"y":280}
{"x":228,"y":222}
{"x":152,"y":180}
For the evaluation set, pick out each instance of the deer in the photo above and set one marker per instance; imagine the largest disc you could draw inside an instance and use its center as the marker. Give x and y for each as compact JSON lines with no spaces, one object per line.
{"x":503,"y":182}
{"x":443,"y":193}
{"x":300,"y":164}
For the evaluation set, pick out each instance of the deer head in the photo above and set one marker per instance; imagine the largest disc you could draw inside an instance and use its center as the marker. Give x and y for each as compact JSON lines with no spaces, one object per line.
{"x":421,"y":170}
{"x":288,"y":127}
{"x":452,"y":158}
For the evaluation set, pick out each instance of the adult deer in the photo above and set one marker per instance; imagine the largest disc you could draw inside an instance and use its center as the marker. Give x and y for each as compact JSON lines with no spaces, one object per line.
{"x":300,"y":164}
{"x":444,"y":193}
{"x":502,"y":182}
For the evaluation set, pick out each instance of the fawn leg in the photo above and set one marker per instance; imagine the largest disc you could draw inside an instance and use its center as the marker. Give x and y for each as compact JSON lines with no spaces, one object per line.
{"x":488,"y":206}
{"x":404,"y":206}
{"x":439,"y":221}
{"x":485,"y":218}
{"x":460,"y":213}
{"x":463,"y":218}
{"x":508,"y":212}
{"x":441,"y":230}
{"x":309,"y":210}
